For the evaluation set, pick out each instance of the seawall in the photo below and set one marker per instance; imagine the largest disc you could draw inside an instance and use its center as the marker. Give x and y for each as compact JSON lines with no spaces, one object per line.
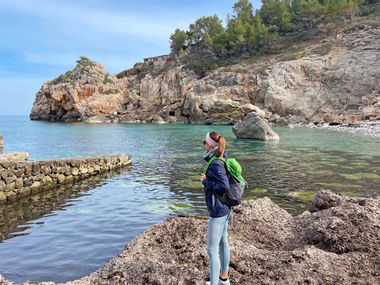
{"x":20,"y":179}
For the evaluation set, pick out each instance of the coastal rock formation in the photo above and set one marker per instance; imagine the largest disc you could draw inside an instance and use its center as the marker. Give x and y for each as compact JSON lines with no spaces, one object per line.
{"x":337,"y":243}
{"x":1,"y":142}
{"x":254,"y":127}
{"x":336,"y":80}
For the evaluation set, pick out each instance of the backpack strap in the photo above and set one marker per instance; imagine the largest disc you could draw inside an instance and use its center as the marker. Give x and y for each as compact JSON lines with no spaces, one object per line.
{"x":205,"y":168}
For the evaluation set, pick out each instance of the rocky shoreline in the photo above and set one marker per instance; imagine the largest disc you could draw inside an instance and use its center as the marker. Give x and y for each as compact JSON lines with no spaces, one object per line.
{"x":336,"y":242}
{"x":367,"y":128}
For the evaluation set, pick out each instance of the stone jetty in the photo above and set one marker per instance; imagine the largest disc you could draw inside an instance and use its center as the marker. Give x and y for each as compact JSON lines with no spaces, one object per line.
{"x":19,"y":179}
{"x":336,"y":242}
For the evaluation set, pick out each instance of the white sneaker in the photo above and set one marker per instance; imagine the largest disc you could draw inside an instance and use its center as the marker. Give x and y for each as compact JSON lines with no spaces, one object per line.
{"x":227,"y":282}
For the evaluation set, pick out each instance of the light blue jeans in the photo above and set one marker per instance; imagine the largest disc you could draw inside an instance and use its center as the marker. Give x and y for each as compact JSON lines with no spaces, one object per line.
{"x":217,"y":247}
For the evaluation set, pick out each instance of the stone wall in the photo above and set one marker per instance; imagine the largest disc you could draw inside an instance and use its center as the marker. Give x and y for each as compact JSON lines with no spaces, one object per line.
{"x":24,"y":178}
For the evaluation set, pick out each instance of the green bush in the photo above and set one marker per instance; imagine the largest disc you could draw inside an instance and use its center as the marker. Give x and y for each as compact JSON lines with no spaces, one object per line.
{"x":107,"y":80}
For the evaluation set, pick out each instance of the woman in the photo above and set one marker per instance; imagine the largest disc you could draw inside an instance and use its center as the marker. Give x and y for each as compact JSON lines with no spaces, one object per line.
{"x":216,"y":184}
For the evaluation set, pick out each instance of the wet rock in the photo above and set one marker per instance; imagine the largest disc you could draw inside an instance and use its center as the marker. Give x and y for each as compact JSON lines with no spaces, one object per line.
{"x":254,"y":127}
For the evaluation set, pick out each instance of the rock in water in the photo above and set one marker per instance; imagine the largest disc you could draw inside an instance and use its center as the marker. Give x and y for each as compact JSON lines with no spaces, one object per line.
{"x":254,"y":127}
{"x":14,"y":156}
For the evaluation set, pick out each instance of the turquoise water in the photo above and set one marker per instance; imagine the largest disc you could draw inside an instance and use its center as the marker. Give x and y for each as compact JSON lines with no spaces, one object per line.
{"x":69,"y":233}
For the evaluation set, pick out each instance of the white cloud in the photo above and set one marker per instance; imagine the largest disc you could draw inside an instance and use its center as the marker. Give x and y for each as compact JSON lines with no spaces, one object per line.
{"x":79,"y":17}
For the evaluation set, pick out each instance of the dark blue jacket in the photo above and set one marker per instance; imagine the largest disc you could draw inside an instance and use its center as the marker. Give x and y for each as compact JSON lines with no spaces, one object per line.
{"x":216,"y":184}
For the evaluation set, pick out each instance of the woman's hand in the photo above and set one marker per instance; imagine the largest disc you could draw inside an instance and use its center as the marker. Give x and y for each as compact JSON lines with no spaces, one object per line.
{"x":202,"y":177}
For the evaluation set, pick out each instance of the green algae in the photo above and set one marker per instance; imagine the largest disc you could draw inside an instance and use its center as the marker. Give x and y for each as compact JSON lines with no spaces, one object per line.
{"x":181,"y":206}
{"x":149,"y":179}
{"x":350,"y":176}
{"x":323,"y":172}
{"x":351,"y":194}
{"x":189,"y":183}
{"x":306,"y":196}
{"x":360,"y":164}
{"x":339,"y":186}
{"x":164,"y":207}
{"x":361,"y":176}
{"x":259,"y":190}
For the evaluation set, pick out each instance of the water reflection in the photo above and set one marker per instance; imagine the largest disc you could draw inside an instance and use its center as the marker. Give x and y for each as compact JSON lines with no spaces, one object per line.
{"x":15,"y":218}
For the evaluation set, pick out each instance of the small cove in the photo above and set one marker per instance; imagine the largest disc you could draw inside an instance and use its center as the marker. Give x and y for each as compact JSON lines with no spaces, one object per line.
{"x":67,"y":234}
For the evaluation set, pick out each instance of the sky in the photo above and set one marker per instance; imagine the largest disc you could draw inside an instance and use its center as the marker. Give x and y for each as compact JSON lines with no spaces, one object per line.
{"x":41,"y":39}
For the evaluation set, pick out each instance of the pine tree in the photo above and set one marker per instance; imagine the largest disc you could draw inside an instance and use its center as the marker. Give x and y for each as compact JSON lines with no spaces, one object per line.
{"x":178,"y":41}
{"x":276,"y":15}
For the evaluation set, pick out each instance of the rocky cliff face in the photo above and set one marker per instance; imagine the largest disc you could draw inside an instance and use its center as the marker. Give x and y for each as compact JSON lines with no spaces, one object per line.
{"x":335,"y":80}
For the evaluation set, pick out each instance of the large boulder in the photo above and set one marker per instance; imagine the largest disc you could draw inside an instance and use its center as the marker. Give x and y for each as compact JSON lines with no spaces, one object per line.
{"x":254,"y":127}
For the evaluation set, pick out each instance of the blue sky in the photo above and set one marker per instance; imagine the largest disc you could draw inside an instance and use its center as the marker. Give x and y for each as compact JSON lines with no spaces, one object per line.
{"x":41,"y":39}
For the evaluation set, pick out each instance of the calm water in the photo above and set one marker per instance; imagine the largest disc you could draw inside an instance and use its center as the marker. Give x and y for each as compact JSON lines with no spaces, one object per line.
{"x":71,"y":232}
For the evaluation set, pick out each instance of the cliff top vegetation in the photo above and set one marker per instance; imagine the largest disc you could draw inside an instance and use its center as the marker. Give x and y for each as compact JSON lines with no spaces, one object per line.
{"x":249,"y":33}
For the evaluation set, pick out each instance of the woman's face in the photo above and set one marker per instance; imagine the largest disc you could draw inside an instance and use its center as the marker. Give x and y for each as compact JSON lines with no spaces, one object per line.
{"x":207,"y":147}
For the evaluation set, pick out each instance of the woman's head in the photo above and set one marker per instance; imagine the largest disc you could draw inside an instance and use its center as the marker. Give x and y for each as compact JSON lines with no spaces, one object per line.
{"x":212,"y":140}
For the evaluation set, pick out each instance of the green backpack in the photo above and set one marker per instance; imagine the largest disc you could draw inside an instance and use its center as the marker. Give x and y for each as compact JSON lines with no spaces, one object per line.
{"x":235,"y":178}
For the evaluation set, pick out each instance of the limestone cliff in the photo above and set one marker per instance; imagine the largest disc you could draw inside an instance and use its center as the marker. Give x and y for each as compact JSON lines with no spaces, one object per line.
{"x":330,"y":81}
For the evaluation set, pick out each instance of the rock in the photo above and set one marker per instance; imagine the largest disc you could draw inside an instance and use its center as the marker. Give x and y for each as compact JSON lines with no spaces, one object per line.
{"x":155,"y":119}
{"x":47,"y":181}
{"x":326,"y":199}
{"x":276,"y":119}
{"x":368,"y":112}
{"x":61,"y":178}
{"x":254,"y":127}
{"x":3,"y":199}
{"x":96,"y":119}
{"x":35,"y":187}
{"x":14,"y":156}
{"x":1,"y":142}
